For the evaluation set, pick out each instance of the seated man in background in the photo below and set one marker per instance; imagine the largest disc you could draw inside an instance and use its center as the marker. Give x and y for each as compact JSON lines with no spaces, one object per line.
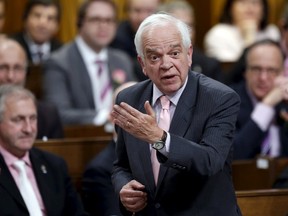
{"x":260,"y":127}
{"x":80,"y":77}
{"x":99,"y":197}
{"x":184,"y":11}
{"x":41,"y":21}
{"x":13,"y":64}
{"x":32,"y":182}
{"x":137,"y":11}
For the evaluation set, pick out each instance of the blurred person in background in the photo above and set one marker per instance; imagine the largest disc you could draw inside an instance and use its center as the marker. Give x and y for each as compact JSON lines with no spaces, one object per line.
{"x":41,"y":22}
{"x":81,"y":76}
{"x":13,"y":70}
{"x":47,"y":189}
{"x":201,"y":63}
{"x":242,"y":22}
{"x":283,"y":24}
{"x":137,"y":11}
{"x":99,"y":197}
{"x":261,"y":127}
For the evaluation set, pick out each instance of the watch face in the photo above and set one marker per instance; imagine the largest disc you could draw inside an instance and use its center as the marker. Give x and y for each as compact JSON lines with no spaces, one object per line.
{"x":158,"y":145}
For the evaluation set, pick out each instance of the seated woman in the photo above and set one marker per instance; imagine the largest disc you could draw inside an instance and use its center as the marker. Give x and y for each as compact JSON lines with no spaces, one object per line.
{"x":242,"y":22}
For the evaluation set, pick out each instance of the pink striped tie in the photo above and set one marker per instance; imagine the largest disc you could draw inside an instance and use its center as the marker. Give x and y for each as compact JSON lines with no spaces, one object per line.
{"x":164,"y":123}
{"x":105,"y":82}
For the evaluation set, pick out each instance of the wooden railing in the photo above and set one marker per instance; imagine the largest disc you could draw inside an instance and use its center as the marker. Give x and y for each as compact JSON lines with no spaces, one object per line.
{"x":247,"y":175}
{"x":271,"y":202}
{"x":259,"y":173}
{"x":85,"y":131}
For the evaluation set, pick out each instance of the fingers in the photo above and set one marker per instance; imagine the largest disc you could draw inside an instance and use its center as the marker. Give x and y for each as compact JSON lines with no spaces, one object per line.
{"x":131,"y":119}
{"x":132,"y":198}
{"x":149,"y":109}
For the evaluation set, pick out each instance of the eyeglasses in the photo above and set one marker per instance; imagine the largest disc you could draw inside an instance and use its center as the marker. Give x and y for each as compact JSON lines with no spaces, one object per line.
{"x":99,"y":20}
{"x":17,"y":68}
{"x":270,"y":71}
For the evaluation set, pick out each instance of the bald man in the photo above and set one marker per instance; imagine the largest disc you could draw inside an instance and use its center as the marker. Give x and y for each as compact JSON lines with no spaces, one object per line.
{"x":13,"y":65}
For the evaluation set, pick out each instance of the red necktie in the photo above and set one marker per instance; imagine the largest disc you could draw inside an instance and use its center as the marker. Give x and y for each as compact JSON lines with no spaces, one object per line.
{"x":164,"y":123}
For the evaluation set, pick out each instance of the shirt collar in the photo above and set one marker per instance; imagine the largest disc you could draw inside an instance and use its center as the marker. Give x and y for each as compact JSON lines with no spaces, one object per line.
{"x":174,"y":98}
{"x":10,"y":159}
{"x":88,"y":54}
{"x":34,"y":48}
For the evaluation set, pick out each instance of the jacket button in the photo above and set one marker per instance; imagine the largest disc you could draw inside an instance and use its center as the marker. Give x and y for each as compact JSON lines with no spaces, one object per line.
{"x":157,"y":205}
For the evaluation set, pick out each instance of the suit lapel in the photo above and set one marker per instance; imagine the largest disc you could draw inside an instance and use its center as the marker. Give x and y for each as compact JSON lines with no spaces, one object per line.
{"x":184,"y":111}
{"x":7,"y":183}
{"x":80,"y":74}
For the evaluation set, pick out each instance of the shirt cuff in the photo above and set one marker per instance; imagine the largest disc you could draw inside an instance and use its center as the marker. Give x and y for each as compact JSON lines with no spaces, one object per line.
{"x":263,"y":115}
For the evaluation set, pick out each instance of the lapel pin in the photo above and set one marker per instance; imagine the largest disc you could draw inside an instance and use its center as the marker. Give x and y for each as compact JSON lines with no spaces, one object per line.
{"x":43,"y":168}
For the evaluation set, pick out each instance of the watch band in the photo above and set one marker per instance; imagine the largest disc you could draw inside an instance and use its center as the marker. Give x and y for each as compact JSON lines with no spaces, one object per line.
{"x":164,"y":136}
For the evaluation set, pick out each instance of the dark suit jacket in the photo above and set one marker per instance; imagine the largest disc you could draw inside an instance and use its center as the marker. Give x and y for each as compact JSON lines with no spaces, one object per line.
{"x":195,"y":178}
{"x":55,"y":186}
{"x":249,"y":137}
{"x":67,"y":82}
{"x":49,"y":123}
{"x":99,"y":197}
{"x":19,"y":37}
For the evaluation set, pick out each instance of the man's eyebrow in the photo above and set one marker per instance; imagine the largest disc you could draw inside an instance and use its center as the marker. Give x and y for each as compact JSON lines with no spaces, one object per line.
{"x":150,"y":50}
{"x":175,"y":45}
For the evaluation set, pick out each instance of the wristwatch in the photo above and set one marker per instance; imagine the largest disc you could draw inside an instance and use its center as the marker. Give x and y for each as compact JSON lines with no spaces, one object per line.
{"x":161,"y":143}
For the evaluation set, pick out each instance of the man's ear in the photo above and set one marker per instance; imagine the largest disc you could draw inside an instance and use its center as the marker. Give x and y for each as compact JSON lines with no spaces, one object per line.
{"x":189,"y":55}
{"x":142,"y":64}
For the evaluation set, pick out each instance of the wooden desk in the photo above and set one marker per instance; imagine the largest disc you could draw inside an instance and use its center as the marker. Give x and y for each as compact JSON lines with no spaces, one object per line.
{"x":257,"y":174}
{"x":263,"y":202}
{"x":85,"y":131}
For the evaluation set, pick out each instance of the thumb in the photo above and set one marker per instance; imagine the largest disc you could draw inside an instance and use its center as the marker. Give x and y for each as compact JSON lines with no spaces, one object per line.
{"x":149,"y":109}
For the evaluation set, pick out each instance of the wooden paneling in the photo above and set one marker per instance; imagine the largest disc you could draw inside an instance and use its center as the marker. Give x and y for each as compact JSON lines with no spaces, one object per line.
{"x":76,"y":152}
{"x":263,"y":202}
{"x":85,"y":131}
{"x":13,"y":15}
{"x":257,"y":174}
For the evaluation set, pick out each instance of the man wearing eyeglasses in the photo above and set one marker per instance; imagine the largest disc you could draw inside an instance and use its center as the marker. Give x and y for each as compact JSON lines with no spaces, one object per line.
{"x":261,"y":127}
{"x":13,"y":70}
{"x":81,"y":76}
